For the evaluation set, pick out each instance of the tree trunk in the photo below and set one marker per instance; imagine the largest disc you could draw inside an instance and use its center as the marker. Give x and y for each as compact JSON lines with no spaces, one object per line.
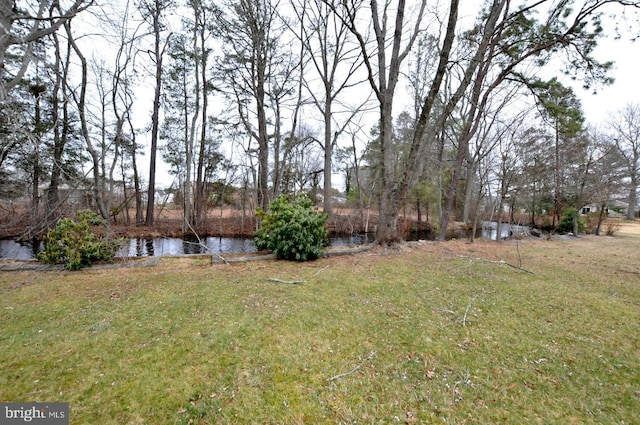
{"x":125,"y":192}
{"x":189,"y":136}
{"x":277,"y":142}
{"x":600,"y":218}
{"x":480,"y":63}
{"x":201,"y":200}
{"x":263,"y":146}
{"x":469,"y":192}
{"x":136,"y":177}
{"x":499,"y":219}
{"x":155,"y":119}
{"x":328,"y":154}
{"x":58,"y":139}
{"x":633,"y":199}
{"x":97,"y":178}
{"x":556,"y":178}
{"x":387,"y":231}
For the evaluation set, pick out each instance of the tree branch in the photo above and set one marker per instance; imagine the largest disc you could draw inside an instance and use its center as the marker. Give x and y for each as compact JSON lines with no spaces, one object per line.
{"x":355,"y":369}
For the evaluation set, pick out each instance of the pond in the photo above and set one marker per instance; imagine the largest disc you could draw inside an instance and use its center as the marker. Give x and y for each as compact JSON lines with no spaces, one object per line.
{"x":490,"y":230}
{"x":140,"y":247}
{"x":218,"y":245}
{"x":18,"y":250}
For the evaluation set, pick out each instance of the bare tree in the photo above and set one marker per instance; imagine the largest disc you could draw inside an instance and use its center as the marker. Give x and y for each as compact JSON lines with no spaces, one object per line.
{"x":512,"y":40}
{"x":60,"y":133}
{"x":80,"y":100}
{"x":122,"y":99}
{"x":250,"y":37}
{"x":203,"y":28}
{"x":335,"y":60}
{"x":38,"y":26}
{"x":625,"y":131}
{"x":608,"y":173}
{"x":284,"y":93}
{"x":153,"y":12}
{"x":383,"y":59}
{"x":397,"y":187}
{"x":181,"y":102}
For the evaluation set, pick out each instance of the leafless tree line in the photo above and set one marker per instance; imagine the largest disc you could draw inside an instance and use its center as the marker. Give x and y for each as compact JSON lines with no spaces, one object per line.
{"x":435,"y":106}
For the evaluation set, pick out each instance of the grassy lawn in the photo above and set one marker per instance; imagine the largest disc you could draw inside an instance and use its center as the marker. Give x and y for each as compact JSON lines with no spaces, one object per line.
{"x":433,"y":333}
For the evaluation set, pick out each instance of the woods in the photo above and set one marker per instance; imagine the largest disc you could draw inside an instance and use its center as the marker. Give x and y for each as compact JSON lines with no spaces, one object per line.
{"x":453,"y":111}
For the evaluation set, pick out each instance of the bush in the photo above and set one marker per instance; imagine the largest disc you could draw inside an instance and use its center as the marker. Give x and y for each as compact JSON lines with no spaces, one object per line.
{"x":292,"y":230}
{"x":611,"y":227}
{"x":74,"y":243}
{"x":566,"y":221}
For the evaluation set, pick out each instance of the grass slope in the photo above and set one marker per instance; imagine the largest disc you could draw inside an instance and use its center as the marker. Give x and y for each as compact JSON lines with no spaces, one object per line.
{"x":435,"y":333}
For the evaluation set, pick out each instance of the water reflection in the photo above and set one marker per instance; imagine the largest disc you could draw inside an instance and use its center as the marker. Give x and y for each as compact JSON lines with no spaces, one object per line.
{"x":217,"y":245}
{"x":490,"y":230}
{"x":19,"y":250}
{"x":141,"y":247}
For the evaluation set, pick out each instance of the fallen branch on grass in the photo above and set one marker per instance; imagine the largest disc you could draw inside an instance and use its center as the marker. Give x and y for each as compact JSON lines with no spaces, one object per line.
{"x":464,"y":319}
{"x":290,"y":282}
{"x":321,"y":270}
{"x":495,"y":262}
{"x":459,"y":319}
{"x":219,"y":256}
{"x":355,"y":369}
{"x":513,"y":265}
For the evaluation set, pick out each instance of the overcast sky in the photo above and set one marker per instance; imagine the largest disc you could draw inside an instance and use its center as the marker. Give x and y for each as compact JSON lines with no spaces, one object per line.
{"x":626,"y":88}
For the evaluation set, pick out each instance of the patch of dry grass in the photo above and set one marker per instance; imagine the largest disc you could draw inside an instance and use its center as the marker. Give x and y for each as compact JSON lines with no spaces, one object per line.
{"x":431,"y":333}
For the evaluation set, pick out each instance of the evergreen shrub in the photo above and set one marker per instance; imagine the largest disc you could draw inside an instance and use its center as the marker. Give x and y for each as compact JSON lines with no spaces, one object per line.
{"x":75,"y":244}
{"x":292,"y":230}
{"x":566,"y":221}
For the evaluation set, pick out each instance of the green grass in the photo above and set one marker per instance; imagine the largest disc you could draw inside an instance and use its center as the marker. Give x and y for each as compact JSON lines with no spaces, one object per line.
{"x":430,"y":335}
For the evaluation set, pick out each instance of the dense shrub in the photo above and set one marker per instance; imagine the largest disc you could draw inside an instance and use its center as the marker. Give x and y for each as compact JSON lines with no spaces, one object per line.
{"x":75,"y":244}
{"x":292,"y":230}
{"x":566,"y":221}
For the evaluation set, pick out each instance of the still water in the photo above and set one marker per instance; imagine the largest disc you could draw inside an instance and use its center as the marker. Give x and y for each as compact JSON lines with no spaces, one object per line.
{"x":14,"y":250}
{"x":24,"y":250}
{"x":490,"y":230}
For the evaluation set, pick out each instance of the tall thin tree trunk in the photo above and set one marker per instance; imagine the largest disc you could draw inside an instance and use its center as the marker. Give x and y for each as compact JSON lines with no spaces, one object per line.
{"x":151,"y":191}
{"x":601,"y":215}
{"x":158,"y":53}
{"x":58,"y":140}
{"x":98,"y":181}
{"x":125,"y":192}
{"x":633,"y":198}
{"x":556,"y":178}
{"x":201,"y":200}
{"x":328,"y":154}
{"x":277,"y":141}
{"x":469,"y":192}
{"x":387,"y":231}
{"x":189,"y":135}
{"x":263,"y":149}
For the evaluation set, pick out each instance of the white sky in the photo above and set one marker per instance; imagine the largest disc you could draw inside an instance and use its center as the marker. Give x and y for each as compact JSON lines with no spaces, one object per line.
{"x":626,"y":88}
